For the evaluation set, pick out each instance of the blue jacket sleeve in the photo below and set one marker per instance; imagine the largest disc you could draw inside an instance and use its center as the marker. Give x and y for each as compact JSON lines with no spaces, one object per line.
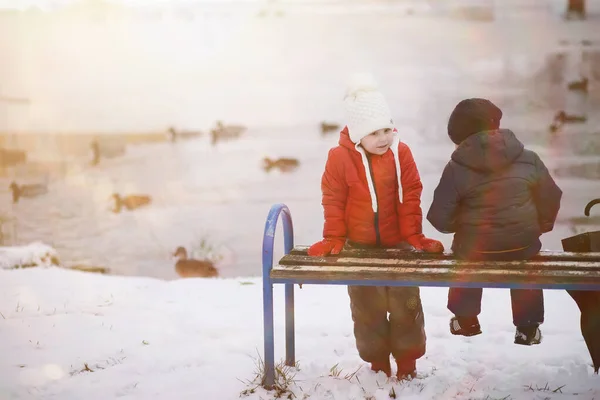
{"x":546,"y":195}
{"x":442,"y":213}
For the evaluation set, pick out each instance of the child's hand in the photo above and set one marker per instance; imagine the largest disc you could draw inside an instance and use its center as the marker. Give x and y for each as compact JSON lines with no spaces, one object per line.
{"x":326,"y":246}
{"x":432,"y":245}
{"x":420,"y":242}
{"x":415,"y":241}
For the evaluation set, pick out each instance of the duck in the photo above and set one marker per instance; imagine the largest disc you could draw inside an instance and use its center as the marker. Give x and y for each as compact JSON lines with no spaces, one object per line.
{"x":581,"y":85}
{"x":130,"y":202}
{"x":222,"y":132}
{"x":29,"y":190}
{"x":191,"y":268}
{"x":327,"y":127}
{"x":173,"y":135}
{"x":283,"y":164}
{"x":95,"y":153}
{"x":561,"y":118}
{"x":10,"y":158}
{"x":105,"y":150}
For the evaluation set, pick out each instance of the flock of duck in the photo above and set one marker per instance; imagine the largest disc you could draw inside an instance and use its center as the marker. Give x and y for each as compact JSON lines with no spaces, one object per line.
{"x":185,"y":266}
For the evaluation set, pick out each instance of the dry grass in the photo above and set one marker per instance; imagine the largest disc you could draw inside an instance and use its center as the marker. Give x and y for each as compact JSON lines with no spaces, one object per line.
{"x":284,"y":379}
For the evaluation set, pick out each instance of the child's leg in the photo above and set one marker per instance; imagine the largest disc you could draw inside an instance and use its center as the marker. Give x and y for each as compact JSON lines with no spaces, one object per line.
{"x":371,"y":327}
{"x":528,"y":314}
{"x":407,"y":325}
{"x":465,"y":303}
{"x":527,"y":307}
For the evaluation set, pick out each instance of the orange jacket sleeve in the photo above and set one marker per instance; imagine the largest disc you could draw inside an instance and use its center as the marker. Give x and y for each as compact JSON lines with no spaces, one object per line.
{"x":410,"y":214}
{"x":335,"y":193}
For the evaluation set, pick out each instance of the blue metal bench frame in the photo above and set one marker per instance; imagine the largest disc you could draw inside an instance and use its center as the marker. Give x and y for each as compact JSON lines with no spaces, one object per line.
{"x":278,"y":210}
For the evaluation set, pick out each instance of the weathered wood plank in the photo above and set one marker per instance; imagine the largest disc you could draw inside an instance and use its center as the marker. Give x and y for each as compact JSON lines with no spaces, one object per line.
{"x":437,"y":274}
{"x":294,"y":260}
{"x":397,"y":253}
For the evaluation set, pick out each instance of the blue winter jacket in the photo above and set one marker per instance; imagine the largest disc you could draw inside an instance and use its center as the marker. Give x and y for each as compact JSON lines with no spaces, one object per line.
{"x":495,"y":196}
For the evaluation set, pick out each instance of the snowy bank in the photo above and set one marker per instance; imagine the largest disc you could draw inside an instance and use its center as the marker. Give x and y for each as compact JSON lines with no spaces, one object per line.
{"x":35,"y":254}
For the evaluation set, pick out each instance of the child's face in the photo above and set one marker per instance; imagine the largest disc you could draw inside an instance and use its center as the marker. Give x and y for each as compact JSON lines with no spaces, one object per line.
{"x":378,"y":142}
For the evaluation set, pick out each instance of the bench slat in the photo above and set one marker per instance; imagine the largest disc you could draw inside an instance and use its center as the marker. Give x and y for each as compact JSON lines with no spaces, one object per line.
{"x":437,"y":274}
{"x":397,"y":253}
{"x":524,"y":266}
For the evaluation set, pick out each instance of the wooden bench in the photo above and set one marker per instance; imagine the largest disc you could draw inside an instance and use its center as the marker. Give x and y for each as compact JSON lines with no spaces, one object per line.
{"x":393,"y":267}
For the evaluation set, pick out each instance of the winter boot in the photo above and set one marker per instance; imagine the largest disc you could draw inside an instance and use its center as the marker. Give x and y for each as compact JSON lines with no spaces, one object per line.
{"x":465,"y":326}
{"x":407,"y":369}
{"x":528,"y":335}
{"x":383,"y":366}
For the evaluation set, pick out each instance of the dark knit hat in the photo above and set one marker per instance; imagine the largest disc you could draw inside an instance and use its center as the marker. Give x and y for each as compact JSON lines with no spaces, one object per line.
{"x":471,"y":116}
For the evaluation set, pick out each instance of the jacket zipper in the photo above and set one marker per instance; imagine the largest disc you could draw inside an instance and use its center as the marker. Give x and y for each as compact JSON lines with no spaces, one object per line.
{"x":376,"y":217}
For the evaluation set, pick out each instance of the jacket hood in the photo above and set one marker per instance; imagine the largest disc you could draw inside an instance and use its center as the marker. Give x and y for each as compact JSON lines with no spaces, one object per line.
{"x":489,"y":151}
{"x":346,"y":142}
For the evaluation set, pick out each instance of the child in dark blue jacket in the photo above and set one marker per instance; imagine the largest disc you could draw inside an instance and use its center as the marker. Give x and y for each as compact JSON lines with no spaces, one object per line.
{"x":498,"y":199}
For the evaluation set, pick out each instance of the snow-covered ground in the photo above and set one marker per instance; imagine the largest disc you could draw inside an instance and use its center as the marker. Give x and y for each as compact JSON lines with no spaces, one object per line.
{"x":70,"y":335}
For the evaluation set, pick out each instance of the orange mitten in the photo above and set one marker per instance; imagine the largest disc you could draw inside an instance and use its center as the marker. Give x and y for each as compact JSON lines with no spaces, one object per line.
{"x":420,"y":242}
{"x":326,"y":246}
{"x":432,"y":245}
{"x":415,"y":241}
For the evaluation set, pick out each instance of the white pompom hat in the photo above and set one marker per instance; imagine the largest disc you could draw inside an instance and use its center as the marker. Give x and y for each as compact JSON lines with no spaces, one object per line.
{"x":366,"y":112}
{"x":365,"y":107}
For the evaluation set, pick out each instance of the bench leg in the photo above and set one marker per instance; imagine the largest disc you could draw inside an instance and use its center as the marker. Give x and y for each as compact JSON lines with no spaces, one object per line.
{"x":267,"y":261}
{"x":290,"y":340}
{"x":268,"y":334}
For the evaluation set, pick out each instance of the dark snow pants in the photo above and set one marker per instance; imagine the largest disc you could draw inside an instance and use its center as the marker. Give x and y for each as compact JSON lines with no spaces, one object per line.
{"x":527,"y":305}
{"x":402,"y":334}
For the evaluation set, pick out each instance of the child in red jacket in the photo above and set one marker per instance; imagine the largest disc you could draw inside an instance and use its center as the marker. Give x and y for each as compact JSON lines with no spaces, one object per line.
{"x":372,"y":198}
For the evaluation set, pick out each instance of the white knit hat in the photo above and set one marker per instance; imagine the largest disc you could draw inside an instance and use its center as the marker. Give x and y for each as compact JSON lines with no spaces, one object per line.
{"x":366,"y":108}
{"x":366,"y":112}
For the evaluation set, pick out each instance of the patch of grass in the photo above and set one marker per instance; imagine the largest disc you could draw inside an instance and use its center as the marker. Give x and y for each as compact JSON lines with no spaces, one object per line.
{"x":99,"y":366}
{"x":336,"y":372}
{"x":392,"y":393}
{"x":204,"y":250}
{"x":545,"y":388}
{"x":246,"y":283}
{"x":86,"y":368}
{"x":92,"y":269}
{"x":284,"y":379}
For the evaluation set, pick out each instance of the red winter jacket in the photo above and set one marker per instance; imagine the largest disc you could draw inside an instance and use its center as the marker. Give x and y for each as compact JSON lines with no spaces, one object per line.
{"x":347,"y":203}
